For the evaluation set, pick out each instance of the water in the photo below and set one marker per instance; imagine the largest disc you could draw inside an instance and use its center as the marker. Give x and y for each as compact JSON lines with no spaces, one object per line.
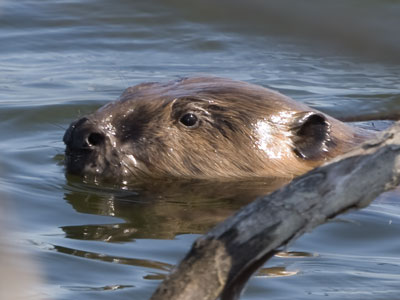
{"x":62,"y":59}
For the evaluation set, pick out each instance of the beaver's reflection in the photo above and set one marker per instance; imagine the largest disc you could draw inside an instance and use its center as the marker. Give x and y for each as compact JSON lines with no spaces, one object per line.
{"x":160,"y":210}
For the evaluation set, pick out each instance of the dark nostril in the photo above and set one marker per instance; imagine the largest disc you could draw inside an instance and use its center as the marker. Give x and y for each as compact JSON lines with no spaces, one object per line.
{"x":95,"y":139}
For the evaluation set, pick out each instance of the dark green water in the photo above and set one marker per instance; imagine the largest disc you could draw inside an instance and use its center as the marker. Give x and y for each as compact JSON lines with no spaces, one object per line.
{"x":62,"y":59}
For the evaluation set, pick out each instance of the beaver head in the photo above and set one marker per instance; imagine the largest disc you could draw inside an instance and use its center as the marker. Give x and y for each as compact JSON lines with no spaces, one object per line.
{"x":203,"y":128}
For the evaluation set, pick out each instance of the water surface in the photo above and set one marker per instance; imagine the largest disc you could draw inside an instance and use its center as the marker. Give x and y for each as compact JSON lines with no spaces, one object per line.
{"x":62,"y":59}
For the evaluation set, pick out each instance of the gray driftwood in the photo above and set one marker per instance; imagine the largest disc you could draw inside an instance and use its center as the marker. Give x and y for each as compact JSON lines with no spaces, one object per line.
{"x":220,"y":262}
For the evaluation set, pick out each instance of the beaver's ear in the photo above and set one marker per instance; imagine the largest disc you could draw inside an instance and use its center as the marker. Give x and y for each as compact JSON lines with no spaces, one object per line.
{"x":310,"y":135}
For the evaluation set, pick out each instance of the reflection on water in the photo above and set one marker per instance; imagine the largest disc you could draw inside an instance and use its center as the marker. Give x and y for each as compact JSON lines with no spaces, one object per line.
{"x":99,"y":289}
{"x":275,"y":272}
{"x":295,"y":254}
{"x":112,"y":259}
{"x":161,"y":210}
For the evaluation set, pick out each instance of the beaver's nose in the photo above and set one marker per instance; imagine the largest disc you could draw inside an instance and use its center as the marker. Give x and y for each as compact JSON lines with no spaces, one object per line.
{"x":83,"y":135}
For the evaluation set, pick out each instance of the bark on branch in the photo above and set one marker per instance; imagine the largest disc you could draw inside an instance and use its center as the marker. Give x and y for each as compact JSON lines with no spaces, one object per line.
{"x":221,"y":261}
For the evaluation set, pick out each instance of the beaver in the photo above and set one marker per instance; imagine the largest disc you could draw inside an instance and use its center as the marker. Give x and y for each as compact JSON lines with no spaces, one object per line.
{"x":204,"y":128}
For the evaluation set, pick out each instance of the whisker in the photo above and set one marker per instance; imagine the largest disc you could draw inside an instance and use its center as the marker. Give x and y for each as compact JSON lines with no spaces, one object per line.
{"x":127,"y":166}
{"x":57,"y":125}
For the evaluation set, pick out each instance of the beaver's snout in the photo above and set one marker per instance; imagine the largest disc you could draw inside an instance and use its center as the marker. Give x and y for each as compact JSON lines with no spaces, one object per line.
{"x":84,"y":142}
{"x":83,"y":135}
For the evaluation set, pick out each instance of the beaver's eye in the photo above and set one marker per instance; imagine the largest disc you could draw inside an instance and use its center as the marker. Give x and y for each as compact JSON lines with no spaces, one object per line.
{"x":189,"y":120}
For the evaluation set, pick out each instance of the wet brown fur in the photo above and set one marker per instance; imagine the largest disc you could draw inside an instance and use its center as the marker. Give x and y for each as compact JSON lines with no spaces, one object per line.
{"x":244,"y":131}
